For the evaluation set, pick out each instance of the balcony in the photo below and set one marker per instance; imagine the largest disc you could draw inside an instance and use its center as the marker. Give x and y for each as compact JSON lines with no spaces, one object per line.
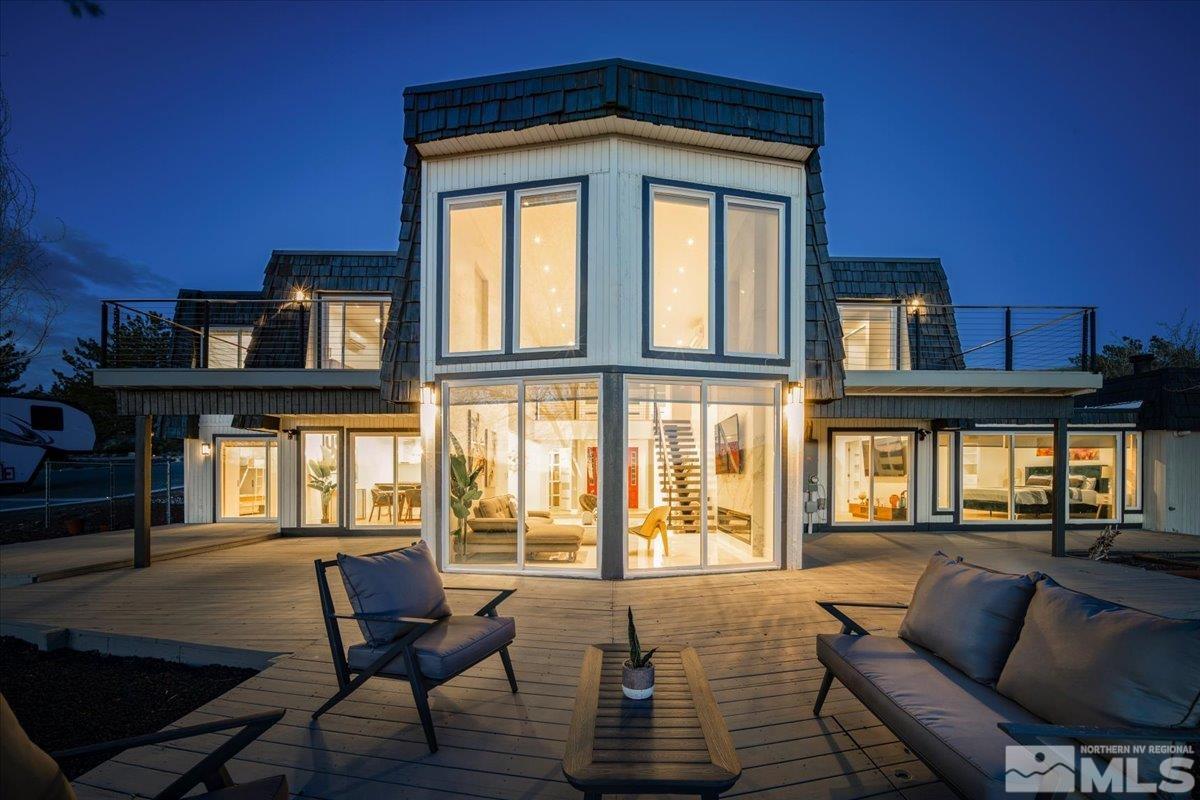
{"x":913,"y":347}
{"x":327,"y":341}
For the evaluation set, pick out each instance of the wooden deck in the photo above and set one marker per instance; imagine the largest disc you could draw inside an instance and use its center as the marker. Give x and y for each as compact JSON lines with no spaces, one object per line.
{"x":754,"y":633}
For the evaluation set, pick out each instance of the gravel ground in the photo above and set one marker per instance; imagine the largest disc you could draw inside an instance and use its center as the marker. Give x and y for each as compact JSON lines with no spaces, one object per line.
{"x":67,"y":699}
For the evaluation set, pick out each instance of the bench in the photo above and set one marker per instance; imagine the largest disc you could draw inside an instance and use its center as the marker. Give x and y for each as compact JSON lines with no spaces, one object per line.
{"x":986,"y":660}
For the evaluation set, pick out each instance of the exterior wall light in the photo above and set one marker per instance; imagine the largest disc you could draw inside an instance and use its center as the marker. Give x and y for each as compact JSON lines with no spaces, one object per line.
{"x":206,"y":449}
{"x":428,"y":394}
{"x":795,"y":393}
{"x":299,"y":295}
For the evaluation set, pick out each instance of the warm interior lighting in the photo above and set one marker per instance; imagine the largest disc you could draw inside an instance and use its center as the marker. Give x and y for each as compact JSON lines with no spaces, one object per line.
{"x":428,"y":394}
{"x":206,"y":449}
{"x":680,"y":225}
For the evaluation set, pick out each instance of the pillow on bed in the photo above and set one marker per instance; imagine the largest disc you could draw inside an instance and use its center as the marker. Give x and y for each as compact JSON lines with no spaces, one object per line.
{"x":968,"y":615}
{"x":1075,"y":481}
{"x":1089,"y":483}
{"x":1039,"y":480}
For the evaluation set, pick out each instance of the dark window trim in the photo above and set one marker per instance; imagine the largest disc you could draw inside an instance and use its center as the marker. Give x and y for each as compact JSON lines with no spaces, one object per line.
{"x":302,"y":472}
{"x":913,"y":469}
{"x":508,"y":336}
{"x":352,"y":464}
{"x":347,"y":296}
{"x":720,"y":194}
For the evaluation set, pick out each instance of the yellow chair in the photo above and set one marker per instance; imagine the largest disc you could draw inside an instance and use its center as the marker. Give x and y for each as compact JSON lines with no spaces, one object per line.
{"x":654,"y":524}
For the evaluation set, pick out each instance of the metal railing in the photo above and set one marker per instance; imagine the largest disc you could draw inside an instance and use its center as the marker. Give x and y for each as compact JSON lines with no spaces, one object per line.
{"x":919,"y":336}
{"x":212,"y":333}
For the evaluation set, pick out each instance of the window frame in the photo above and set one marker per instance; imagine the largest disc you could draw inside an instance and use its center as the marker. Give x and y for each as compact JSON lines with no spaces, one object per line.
{"x":714,"y":242}
{"x":914,"y":485}
{"x":718,"y":351}
{"x":510,"y":324}
{"x":273,"y":485}
{"x":781,"y":287}
{"x":242,"y":346}
{"x":954,"y":474}
{"x":302,"y":472}
{"x":326,"y":298}
{"x":1139,"y":479}
{"x":900,"y":345}
{"x":516,"y":268}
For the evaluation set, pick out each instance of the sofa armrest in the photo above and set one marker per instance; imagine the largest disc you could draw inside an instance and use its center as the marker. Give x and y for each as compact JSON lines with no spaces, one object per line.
{"x":832,"y":607}
{"x":1032,"y":734}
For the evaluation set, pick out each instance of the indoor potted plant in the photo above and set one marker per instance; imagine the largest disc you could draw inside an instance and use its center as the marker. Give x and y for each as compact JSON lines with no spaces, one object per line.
{"x":637,"y":676}
{"x":464,"y":490}
{"x":322,"y":477}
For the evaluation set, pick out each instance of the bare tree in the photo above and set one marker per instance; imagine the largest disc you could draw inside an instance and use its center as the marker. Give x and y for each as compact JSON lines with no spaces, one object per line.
{"x":27,"y":305}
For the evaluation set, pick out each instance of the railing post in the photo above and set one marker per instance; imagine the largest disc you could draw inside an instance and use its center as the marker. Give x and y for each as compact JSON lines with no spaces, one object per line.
{"x":901,"y":321}
{"x":1092,"y":338}
{"x":204,"y":340}
{"x":116,"y":337}
{"x":914,"y":358}
{"x":1085,"y":359}
{"x":103,"y":335}
{"x":1008,"y":339}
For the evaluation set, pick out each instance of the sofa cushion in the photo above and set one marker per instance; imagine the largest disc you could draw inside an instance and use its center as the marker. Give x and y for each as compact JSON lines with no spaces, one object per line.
{"x":26,"y":770}
{"x":968,"y":615}
{"x":1081,"y":660}
{"x":492,"y":508}
{"x":946,"y":718}
{"x":449,"y":647}
{"x":402,"y":583}
{"x":492,"y":525}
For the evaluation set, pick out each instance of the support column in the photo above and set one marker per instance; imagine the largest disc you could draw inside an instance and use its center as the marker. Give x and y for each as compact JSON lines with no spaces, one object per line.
{"x":142,"y":487}
{"x":1058,"y":525}
{"x":611,"y":523}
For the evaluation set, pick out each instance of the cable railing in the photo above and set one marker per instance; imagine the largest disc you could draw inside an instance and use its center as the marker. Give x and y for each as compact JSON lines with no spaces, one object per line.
{"x":218,"y":333}
{"x":919,"y":336}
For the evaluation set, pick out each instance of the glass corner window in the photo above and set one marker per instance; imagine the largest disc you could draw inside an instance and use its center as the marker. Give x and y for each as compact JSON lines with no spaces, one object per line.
{"x":753,"y":278}
{"x":474,"y":274}
{"x":548,"y":268}
{"x":352,"y":331}
{"x":869,"y":336}
{"x":682,"y":270}
{"x":1133,"y":463}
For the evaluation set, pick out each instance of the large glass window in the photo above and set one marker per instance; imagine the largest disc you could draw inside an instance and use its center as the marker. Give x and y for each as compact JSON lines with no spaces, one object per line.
{"x":681,"y":271}
{"x":352,"y":332}
{"x":872,"y":478}
{"x":869,"y":336}
{"x":548,"y":268}
{"x":986,"y":477}
{"x":227,"y":347}
{"x":701,"y":464}
{"x":321,"y":478}
{"x":945,"y":471}
{"x":1133,"y":466}
{"x":387,"y":479}
{"x":1092,"y":475}
{"x":753,"y":291}
{"x":474,"y":294}
{"x":246,"y":479}
{"x":562,"y":488}
{"x":523,"y":466}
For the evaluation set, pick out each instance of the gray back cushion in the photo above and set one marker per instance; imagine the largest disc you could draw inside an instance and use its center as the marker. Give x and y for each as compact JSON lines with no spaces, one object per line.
{"x":403,"y":583}
{"x":967,"y":615}
{"x":1085,"y":661}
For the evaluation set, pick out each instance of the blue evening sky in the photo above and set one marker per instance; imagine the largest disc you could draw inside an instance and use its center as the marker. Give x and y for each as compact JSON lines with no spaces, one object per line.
{"x":1048,"y":153}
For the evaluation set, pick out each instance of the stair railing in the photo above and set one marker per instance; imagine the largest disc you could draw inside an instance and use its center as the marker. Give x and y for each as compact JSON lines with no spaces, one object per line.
{"x":666,"y":477}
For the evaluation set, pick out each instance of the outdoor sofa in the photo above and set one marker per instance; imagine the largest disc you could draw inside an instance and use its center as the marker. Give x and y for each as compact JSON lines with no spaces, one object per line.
{"x":986,"y":660}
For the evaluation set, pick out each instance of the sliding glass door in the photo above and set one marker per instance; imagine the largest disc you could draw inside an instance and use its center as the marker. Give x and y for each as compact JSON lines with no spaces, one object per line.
{"x":246,"y":479}
{"x":387,"y":479}
{"x":873,"y":478}
{"x":702,"y":471}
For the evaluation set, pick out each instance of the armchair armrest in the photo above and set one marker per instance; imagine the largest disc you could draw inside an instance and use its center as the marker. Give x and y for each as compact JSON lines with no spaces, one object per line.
{"x":211,"y":769}
{"x":831,"y":607}
{"x":385,"y":616}
{"x":489,"y":608}
{"x":1033,"y":734}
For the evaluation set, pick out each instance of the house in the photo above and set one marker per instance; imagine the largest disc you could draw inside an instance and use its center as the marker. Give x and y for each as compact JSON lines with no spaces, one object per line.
{"x":612,"y":343}
{"x":1159,"y":412}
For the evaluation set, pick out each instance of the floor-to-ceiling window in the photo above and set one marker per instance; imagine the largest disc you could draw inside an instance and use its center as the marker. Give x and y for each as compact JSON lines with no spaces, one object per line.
{"x":246,"y":475}
{"x":320,"y":471}
{"x":386,"y":468}
{"x":986,"y":465}
{"x":944,"y":468}
{"x":522,"y":474}
{"x":702,"y":461}
{"x":1092,"y":475}
{"x":872,"y":478}
{"x":1133,"y":466}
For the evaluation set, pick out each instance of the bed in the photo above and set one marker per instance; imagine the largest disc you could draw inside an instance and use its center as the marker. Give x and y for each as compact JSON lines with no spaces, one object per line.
{"x":1088,"y":490}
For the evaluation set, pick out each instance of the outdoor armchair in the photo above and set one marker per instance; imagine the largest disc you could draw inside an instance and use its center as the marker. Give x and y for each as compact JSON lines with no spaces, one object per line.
{"x":409,"y":631}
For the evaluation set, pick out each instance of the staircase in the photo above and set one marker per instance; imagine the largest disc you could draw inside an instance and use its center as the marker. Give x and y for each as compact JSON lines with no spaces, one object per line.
{"x":680,"y":474}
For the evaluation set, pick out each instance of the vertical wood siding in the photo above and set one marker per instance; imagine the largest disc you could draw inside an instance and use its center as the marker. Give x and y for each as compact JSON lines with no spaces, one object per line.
{"x":1171,"y":476}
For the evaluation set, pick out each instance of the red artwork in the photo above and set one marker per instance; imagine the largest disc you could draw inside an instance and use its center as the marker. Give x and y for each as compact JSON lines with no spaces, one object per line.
{"x":632,"y":478}
{"x":593,"y":465}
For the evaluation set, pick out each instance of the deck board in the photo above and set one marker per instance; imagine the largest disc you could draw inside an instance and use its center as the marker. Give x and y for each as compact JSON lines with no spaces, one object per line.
{"x":754,"y":634}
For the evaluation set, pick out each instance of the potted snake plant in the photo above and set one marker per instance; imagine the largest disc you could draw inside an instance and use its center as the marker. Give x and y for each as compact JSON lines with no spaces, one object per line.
{"x":637,"y":675}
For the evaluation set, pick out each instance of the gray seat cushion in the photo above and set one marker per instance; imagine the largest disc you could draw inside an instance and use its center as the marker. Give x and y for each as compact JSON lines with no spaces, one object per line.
{"x":451,"y":646}
{"x":967,"y":615}
{"x":402,"y":583}
{"x":1085,"y":661}
{"x":946,"y":718}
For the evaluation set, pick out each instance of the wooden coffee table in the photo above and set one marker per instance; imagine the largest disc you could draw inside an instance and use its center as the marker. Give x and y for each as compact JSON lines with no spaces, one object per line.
{"x":674,"y":743}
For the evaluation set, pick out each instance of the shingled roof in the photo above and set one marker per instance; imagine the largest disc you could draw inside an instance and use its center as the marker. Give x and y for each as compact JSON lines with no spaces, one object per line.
{"x":1170,"y":397}
{"x":574,"y":93}
{"x":281,"y":333}
{"x":858,"y":278}
{"x":189,"y":318}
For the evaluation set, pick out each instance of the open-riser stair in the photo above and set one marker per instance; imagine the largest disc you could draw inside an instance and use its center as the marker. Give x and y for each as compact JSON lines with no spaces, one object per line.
{"x":680,"y":475}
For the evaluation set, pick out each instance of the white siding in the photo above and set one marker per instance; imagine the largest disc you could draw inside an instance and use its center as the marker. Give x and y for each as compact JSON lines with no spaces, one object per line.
{"x":198,"y":501}
{"x":615,"y":167}
{"x":1170,"y":481}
